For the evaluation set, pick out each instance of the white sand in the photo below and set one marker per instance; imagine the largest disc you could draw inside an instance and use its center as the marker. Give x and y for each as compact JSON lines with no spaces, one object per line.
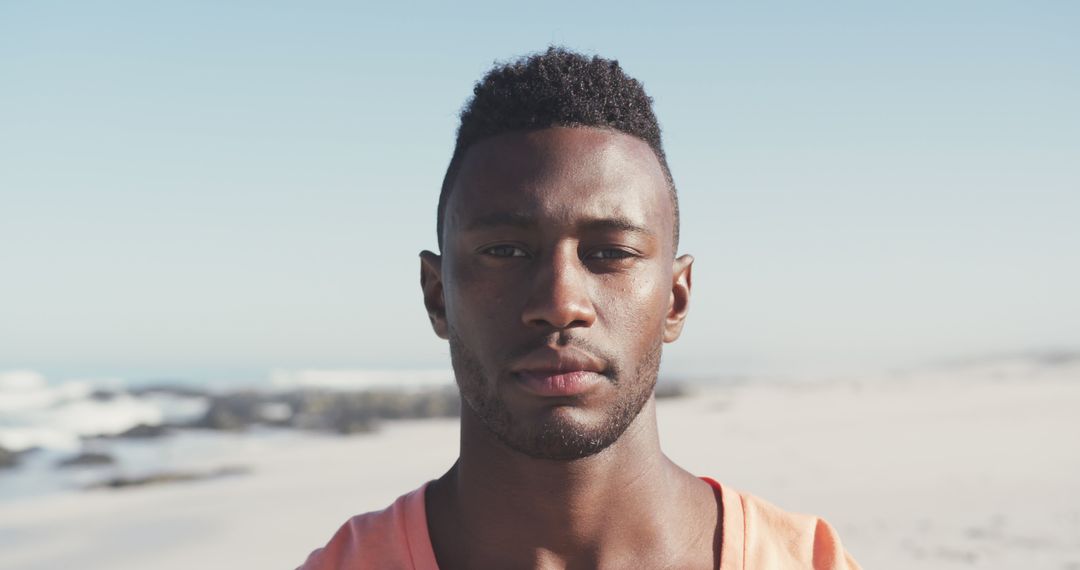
{"x":912,"y":474}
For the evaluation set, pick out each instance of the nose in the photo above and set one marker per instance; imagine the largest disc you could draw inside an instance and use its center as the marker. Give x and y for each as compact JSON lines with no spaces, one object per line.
{"x":559,"y":297}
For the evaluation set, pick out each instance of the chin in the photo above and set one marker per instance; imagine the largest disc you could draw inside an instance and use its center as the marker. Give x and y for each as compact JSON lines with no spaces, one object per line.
{"x":561,"y":433}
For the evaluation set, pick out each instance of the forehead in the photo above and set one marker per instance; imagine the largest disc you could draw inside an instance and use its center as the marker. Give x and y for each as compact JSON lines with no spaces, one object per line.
{"x":560,"y":176}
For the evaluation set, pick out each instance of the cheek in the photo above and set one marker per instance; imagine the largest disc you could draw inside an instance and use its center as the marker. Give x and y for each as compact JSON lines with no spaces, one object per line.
{"x":476,"y":302}
{"x":637,"y":306}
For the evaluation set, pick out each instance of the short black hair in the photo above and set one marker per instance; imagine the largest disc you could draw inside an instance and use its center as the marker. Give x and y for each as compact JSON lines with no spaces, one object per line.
{"x":556,"y":88}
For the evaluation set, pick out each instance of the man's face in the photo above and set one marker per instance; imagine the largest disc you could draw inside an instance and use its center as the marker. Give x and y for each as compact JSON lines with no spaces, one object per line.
{"x":557,"y":286}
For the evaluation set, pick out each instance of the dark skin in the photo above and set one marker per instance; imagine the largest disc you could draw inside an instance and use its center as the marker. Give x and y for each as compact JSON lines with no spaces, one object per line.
{"x":558,"y":263}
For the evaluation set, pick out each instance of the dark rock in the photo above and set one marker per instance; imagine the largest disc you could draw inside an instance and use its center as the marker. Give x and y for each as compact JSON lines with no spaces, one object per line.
{"x":669,"y":389}
{"x":8,"y":458}
{"x":232,"y":412}
{"x":103,"y":395}
{"x":1059,"y":357}
{"x":168,"y":477}
{"x":144,"y":431}
{"x":323,"y":410}
{"x":445,"y":404}
{"x":176,"y":389}
{"x":87,"y":459}
{"x":355,"y":412}
{"x":348,"y":426}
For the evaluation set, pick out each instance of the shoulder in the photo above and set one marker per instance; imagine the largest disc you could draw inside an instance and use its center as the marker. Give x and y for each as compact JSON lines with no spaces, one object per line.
{"x":389,"y":538}
{"x":775,"y":538}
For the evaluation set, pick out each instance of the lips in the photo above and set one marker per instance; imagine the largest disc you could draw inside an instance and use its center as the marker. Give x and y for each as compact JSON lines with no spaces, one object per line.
{"x":548,"y":372}
{"x":559,"y":384}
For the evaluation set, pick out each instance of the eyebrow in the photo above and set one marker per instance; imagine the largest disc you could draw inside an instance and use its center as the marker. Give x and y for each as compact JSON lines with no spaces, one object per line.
{"x":525,"y":221}
{"x":501,"y":220}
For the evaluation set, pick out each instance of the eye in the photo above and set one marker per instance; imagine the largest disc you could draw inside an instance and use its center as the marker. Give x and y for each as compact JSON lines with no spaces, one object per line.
{"x":504,"y":251}
{"x":609,"y":254}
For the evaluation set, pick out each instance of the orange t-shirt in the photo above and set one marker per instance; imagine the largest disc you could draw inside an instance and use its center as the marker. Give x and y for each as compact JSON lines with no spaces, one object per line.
{"x":756,"y":534}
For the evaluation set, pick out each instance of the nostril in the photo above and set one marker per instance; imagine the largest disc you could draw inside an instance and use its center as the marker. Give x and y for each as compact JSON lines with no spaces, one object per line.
{"x":560,"y":313}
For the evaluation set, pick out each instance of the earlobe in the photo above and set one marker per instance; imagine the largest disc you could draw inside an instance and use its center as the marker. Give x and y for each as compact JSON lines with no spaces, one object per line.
{"x":679,"y":304}
{"x":432,"y":288}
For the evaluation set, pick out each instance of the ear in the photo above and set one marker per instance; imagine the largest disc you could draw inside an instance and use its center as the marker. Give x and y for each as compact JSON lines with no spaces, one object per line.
{"x":431,"y":285}
{"x":679,"y":305}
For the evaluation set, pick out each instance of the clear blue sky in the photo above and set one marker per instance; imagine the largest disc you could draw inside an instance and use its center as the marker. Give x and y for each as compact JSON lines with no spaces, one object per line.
{"x":220,"y":188}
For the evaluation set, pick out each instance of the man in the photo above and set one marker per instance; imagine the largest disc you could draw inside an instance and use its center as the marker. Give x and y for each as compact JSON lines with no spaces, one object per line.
{"x":557,"y":285}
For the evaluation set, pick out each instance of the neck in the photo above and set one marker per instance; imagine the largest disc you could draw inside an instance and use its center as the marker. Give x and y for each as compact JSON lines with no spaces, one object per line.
{"x":592,"y":511}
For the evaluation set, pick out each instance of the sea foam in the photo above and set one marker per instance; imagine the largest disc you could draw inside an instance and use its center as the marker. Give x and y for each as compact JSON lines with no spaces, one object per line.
{"x":35,"y":414}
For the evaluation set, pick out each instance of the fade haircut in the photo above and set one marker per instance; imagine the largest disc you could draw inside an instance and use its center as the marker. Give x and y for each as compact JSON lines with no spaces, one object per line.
{"x":556,"y":88}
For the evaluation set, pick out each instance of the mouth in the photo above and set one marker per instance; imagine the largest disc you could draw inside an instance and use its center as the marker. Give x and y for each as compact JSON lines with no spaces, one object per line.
{"x":554,"y":383}
{"x":550,"y":372}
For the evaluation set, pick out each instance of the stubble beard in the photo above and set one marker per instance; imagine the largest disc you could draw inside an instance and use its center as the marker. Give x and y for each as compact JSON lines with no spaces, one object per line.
{"x":557,"y":437}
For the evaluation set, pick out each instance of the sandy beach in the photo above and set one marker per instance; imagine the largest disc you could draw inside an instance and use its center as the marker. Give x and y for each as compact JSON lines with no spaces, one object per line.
{"x":929,"y":471}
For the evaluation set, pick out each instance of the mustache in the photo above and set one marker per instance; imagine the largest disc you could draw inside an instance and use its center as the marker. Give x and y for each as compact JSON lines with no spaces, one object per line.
{"x":559,"y":341}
